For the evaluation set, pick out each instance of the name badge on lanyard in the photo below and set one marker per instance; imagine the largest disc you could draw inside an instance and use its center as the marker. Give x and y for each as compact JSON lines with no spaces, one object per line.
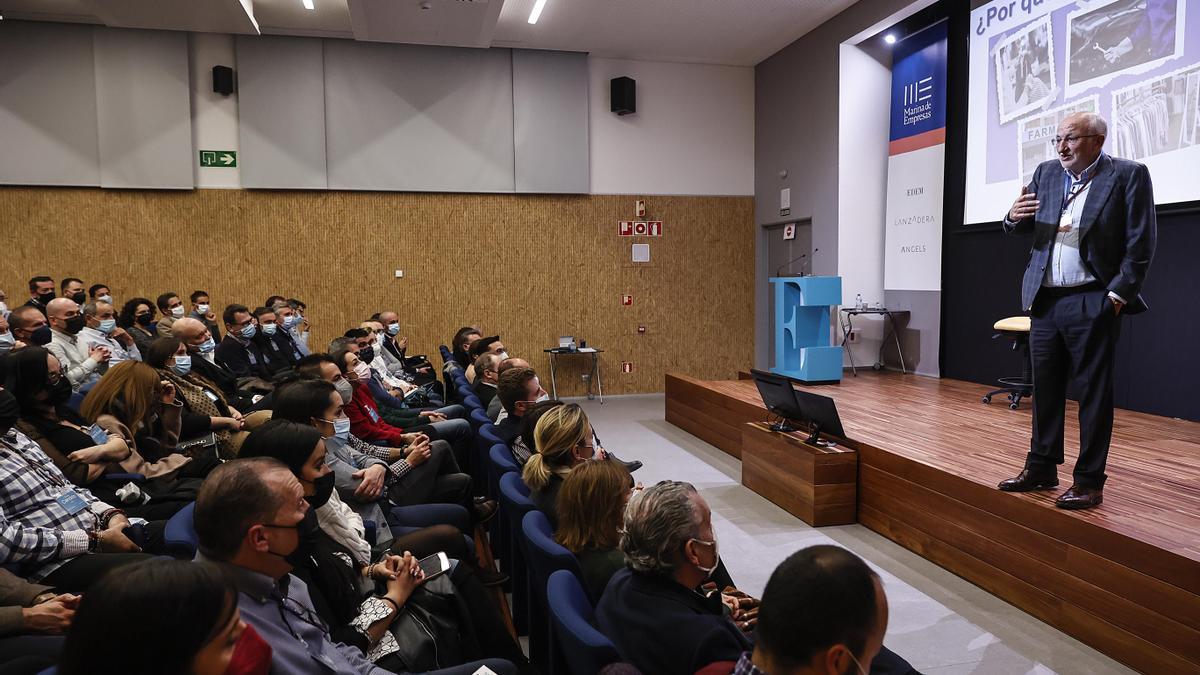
{"x":374,"y":415}
{"x":250,"y":355}
{"x":71,"y":501}
{"x":99,"y":436}
{"x":211,"y":396}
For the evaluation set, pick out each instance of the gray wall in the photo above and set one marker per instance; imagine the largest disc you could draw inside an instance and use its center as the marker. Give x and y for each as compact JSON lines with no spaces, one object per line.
{"x":796,"y":93}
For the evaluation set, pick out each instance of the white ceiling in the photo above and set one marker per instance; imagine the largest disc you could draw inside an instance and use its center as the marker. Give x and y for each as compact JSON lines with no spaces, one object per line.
{"x":730,"y":32}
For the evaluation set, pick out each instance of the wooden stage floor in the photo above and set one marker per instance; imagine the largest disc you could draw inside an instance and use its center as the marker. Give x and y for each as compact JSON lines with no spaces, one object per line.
{"x":1124,"y":577}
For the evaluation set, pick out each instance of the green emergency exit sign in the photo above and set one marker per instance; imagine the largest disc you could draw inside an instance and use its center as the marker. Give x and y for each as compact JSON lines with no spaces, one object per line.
{"x":218,"y":158}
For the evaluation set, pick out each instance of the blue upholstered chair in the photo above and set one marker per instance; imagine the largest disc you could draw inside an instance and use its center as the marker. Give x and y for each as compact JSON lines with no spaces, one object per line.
{"x":585,"y":649}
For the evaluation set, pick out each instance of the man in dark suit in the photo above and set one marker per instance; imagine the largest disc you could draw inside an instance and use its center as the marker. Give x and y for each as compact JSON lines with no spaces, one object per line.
{"x":486,"y":377}
{"x":239,"y":352}
{"x":1093,"y":223}
{"x":199,"y":343}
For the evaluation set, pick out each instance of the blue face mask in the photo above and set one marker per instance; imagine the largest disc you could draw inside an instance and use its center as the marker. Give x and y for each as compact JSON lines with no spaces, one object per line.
{"x":207,"y":346}
{"x":106,"y":326}
{"x":268,"y":329}
{"x":6,"y":342}
{"x":290,"y":322}
{"x":183,"y":364}
{"x":249,"y":331}
{"x":341,"y":428}
{"x":393,"y":328}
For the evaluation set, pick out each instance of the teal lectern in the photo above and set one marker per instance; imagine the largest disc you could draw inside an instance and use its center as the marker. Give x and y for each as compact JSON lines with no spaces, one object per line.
{"x":802,"y":348}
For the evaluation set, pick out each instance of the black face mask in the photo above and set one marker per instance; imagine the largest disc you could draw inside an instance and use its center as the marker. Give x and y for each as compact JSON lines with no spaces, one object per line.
{"x":366,"y":354}
{"x":59,"y":392}
{"x":144,"y":319}
{"x":75,"y":324}
{"x":79,"y":297}
{"x":323,"y":488}
{"x":9,"y":411}
{"x":305,"y":530}
{"x":41,"y":336}
{"x":45,"y":298}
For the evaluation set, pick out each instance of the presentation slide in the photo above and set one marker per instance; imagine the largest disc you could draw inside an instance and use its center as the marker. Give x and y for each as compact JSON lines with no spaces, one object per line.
{"x":1033,"y":62}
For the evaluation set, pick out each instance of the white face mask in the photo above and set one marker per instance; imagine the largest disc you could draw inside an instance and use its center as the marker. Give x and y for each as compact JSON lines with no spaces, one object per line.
{"x":4,"y":310}
{"x":543,"y":397}
{"x":202,"y":309}
{"x":105,"y":298}
{"x":502,"y":355}
{"x":177,"y":311}
{"x":716,"y":554}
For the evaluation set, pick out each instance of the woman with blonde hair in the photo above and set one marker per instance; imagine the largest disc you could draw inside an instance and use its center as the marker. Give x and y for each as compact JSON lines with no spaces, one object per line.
{"x":564,"y":440}
{"x":591,"y":512}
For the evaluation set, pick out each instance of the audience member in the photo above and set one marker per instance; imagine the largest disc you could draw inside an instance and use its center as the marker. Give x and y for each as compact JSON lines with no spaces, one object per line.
{"x":253,"y":519}
{"x":276,"y":345}
{"x":485,"y":345}
{"x":300,"y":330}
{"x":202,"y":349}
{"x":518,"y":389}
{"x":172,"y":310}
{"x":287,"y":319}
{"x":524,"y":446}
{"x":495,"y":409}
{"x":487,"y":375}
{"x":84,"y":453}
{"x":387,"y":392}
{"x":416,"y":367}
{"x":186,"y":619}
{"x":205,"y":408}
{"x":591,"y":514}
{"x":100,"y":293}
{"x":29,"y":326}
{"x":823,"y":612}
{"x":33,"y":619}
{"x":202,"y":312}
{"x":239,"y":351}
{"x":83,"y":363}
{"x":101,"y":329}
{"x":49,"y":531}
{"x":137,"y":317}
{"x":564,"y":441}
{"x":41,"y":292}
{"x":73,"y":289}
{"x":652,"y":611}
{"x":3,"y":304}
{"x":8,"y":341}
{"x":460,"y":345}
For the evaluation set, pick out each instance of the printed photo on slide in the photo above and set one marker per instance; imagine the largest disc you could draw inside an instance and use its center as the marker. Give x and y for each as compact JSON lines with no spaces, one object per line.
{"x":1035,"y":134}
{"x":1024,"y":66}
{"x":1156,"y":115}
{"x":1121,"y":36}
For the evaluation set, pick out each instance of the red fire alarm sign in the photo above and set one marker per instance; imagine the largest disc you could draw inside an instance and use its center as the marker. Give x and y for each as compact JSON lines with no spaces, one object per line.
{"x":627,"y":300}
{"x":626,"y":367}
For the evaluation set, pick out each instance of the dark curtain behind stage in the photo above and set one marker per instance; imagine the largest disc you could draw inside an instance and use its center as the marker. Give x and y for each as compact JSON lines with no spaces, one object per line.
{"x":1158,"y":356}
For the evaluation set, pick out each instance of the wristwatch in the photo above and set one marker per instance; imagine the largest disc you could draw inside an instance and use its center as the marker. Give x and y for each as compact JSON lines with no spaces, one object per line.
{"x":93,"y":541}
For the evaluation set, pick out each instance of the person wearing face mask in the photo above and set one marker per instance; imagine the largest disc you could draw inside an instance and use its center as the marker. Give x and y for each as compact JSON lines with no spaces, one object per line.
{"x":187,"y":618}
{"x":202,"y":312}
{"x":3,"y":304}
{"x":239,"y":351}
{"x":486,"y":345}
{"x":274,"y":342}
{"x":205,"y":409}
{"x":8,"y":341}
{"x":137,"y":318}
{"x":290,"y":323}
{"x":52,"y":529}
{"x":100,"y":293}
{"x":654,"y":611}
{"x":29,"y":326}
{"x":311,"y":596}
{"x":518,"y":389}
{"x":824,"y":612}
{"x":41,"y":292}
{"x":564,"y":441}
{"x":101,"y":329}
{"x":74,"y":289}
{"x":82,"y":451}
{"x":417,"y":367}
{"x":487,"y":376}
{"x":84,"y":363}
{"x":172,"y":310}
{"x":201,"y":348}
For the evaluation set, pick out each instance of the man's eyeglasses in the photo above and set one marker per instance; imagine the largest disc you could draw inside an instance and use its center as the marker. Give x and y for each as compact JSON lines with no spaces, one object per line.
{"x":53,"y":378}
{"x":1072,"y":141}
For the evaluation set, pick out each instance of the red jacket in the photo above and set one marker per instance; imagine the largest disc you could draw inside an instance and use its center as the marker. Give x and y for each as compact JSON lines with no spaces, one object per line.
{"x":365,"y":421}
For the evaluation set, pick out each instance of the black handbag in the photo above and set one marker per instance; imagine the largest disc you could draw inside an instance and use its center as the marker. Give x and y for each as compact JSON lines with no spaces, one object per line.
{"x":433,"y":629}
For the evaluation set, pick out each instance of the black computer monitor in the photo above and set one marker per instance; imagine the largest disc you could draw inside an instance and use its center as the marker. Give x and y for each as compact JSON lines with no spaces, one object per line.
{"x":779,"y":396}
{"x":818,"y":412}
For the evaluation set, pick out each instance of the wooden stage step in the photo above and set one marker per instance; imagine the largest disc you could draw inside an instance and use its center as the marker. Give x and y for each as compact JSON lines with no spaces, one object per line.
{"x":1123,"y":578}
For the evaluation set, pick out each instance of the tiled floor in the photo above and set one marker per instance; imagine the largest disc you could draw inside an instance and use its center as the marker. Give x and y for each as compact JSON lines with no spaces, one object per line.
{"x":939,"y":622}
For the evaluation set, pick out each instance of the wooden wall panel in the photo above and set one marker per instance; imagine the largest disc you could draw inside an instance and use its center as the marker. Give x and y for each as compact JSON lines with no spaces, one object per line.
{"x":528,"y":267}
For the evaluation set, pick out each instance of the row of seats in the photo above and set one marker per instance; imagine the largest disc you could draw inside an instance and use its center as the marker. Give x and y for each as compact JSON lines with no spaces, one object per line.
{"x":549,"y":602}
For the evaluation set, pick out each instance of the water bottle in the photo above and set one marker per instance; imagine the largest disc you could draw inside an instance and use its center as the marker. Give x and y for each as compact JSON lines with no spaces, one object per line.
{"x":858,"y":301}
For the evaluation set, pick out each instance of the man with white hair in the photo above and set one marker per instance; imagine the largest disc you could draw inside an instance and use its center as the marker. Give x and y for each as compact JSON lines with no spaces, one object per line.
{"x":1094,"y":232}
{"x":100,"y":328}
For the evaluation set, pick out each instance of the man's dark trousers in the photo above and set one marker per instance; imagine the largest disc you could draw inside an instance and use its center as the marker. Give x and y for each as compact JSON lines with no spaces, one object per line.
{"x":1073,"y":335}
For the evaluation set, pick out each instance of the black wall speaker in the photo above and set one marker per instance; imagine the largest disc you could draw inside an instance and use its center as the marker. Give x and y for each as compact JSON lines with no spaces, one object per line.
{"x":624,"y":95}
{"x":223,"y":80}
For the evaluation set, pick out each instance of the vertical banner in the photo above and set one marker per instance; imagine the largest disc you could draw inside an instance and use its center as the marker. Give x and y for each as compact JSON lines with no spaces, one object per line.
{"x":916,"y":163}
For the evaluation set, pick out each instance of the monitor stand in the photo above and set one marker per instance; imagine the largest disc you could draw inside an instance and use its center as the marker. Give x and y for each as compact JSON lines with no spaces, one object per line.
{"x":814,"y":438}
{"x":782,"y":427}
